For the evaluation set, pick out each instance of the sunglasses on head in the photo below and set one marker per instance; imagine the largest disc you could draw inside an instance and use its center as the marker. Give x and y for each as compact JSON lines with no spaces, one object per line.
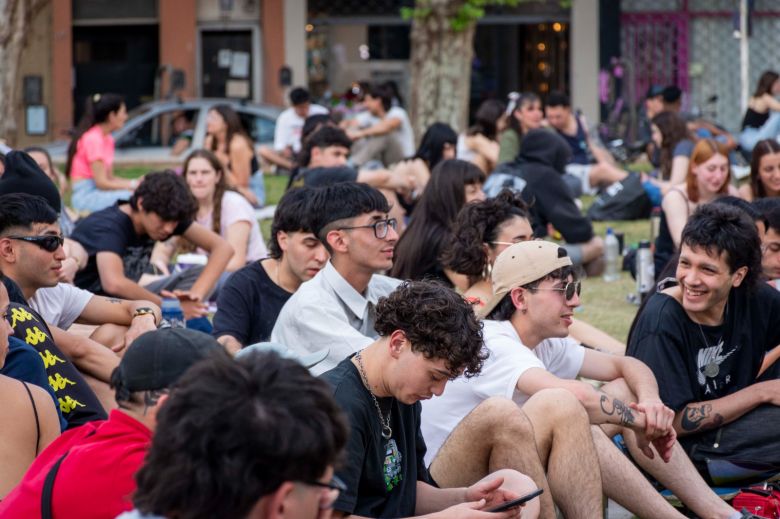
{"x":48,"y":242}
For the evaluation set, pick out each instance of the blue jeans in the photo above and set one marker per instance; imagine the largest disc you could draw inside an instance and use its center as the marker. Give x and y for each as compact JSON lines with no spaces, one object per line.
{"x":257,"y":185}
{"x":770,"y":130}
{"x":87,"y":197}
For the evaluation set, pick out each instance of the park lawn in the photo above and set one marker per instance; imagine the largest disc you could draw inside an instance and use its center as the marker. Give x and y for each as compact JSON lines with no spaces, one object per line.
{"x":604,"y":305}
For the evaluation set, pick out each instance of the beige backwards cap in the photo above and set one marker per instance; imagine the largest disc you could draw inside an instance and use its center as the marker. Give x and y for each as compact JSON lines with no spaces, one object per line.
{"x":523,"y":263}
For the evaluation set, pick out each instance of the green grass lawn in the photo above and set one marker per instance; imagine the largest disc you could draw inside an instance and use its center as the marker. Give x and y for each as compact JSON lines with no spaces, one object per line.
{"x":604,"y":304}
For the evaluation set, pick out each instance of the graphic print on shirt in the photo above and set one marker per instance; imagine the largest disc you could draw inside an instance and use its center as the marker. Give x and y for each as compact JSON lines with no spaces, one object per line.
{"x":392,"y":465}
{"x":708,"y":363}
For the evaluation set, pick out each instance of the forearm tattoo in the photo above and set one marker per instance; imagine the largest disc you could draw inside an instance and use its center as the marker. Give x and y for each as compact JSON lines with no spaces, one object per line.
{"x":615,"y":407}
{"x":700,"y":418}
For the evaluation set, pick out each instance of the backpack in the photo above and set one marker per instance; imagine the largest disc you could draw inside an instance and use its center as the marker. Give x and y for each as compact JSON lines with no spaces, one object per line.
{"x":623,"y":200}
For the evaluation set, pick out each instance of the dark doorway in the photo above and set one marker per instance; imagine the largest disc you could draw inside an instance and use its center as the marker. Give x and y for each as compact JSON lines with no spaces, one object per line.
{"x":227,"y":64}
{"x":117,"y":59}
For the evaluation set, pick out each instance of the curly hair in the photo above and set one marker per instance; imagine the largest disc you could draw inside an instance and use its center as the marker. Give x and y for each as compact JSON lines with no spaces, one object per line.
{"x":477,"y":224}
{"x":721,"y":228}
{"x":438,"y":322}
{"x":167,"y":195}
{"x":260,"y":421}
{"x":506,"y":307}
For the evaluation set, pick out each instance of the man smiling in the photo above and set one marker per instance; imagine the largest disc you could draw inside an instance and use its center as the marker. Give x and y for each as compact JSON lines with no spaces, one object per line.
{"x":705,"y":340}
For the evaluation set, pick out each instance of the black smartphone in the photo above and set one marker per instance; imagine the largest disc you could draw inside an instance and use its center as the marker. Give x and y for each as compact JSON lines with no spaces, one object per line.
{"x":516,"y":502}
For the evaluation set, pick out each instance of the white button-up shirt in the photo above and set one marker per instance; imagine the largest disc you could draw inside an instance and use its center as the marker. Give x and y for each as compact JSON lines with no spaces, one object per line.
{"x":327,"y":312}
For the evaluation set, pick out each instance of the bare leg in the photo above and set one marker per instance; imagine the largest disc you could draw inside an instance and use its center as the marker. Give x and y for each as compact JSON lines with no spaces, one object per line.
{"x":679,"y":475}
{"x":562,"y":433}
{"x":495,"y":435}
{"x":604,"y":174}
{"x":625,"y":484}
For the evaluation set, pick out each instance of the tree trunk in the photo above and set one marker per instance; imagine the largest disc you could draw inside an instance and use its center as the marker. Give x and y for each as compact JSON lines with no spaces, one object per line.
{"x":15,"y":18}
{"x":441,"y":67}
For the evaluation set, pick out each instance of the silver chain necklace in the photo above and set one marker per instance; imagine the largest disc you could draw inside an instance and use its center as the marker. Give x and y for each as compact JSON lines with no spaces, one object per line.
{"x":712,"y":369}
{"x":387,"y":432}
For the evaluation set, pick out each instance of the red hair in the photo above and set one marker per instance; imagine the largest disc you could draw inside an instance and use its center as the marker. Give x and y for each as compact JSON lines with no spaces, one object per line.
{"x":704,"y":150}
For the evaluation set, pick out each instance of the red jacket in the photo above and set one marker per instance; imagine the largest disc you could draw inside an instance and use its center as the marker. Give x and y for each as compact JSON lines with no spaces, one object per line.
{"x":96,"y":479}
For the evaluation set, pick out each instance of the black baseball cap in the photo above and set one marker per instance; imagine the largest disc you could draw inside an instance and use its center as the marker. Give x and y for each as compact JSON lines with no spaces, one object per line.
{"x":156,"y":359}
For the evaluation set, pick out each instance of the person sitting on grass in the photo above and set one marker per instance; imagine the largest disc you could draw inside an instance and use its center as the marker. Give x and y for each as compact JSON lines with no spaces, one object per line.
{"x":481,"y":232}
{"x":119,"y":240}
{"x":251,"y":299}
{"x":536,"y":292}
{"x":427,"y":336}
{"x":220,"y":209}
{"x":705,"y":339}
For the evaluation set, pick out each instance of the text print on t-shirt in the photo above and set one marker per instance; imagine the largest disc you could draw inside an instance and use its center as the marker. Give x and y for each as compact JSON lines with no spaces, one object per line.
{"x":709,"y":360}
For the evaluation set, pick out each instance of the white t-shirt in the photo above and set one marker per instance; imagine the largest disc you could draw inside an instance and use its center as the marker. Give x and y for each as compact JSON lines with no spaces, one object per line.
{"x":405,"y":133}
{"x":60,"y":305}
{"x":509,"y":359}
{"x":289,"y":126}
{"x":236,"y":208}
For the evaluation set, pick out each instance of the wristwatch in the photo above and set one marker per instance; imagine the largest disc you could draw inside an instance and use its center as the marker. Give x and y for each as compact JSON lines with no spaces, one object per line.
{"x":145,"y":310}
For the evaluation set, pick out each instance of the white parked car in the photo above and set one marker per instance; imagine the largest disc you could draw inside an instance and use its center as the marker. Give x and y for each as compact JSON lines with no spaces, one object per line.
{"x":155,"y":130}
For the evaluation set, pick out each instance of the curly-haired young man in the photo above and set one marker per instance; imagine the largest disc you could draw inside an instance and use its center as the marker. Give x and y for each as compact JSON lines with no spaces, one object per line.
{"x":120,"y":238}
{"x":428,"y":336}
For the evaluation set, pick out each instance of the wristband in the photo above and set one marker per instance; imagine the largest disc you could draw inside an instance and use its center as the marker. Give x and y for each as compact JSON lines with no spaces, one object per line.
{"x":145,"y":310}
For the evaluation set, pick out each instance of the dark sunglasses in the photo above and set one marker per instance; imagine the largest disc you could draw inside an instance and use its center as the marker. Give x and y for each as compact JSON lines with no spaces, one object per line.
{"x":571,"y":288}
{"x":48,"y":242}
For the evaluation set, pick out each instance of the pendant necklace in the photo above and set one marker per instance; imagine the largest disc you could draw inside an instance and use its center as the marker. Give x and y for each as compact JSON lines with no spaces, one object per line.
{"x":387,"y":432}
{"x":712,"y":369}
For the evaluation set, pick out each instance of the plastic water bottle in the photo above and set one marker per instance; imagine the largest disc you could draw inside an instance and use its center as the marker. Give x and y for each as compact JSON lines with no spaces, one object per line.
{"x":655,"y":223}
{"x":611,"y":256}
{"x":645,"y":270}
{"x":172,"y":313}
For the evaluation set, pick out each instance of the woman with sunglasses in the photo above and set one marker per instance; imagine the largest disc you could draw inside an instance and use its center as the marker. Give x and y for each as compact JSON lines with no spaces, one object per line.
{"x":484,"y":230}
{"x":453,"y":184}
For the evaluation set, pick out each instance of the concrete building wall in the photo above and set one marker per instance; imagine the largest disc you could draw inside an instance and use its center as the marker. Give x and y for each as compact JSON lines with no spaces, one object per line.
{"x":584,"y":58}
{"x":36,"y":61}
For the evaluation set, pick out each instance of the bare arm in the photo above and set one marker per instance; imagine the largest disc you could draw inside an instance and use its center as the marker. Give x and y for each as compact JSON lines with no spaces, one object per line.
{"x":101,"y":310}
{"x":219,"y":251}
{"x":88,"y":356}
{"x":105,"y":180}
{"x":162,"y":253}
{"x":114,"y":282}
{"x":240,"y":160}
{"x":675,"y":208}
{"x":238,"y":238}
{"x":383,"y":127}
{"x":696,"y":417}
{"x":639,"y":378}
{"x":679,"y":170}
{"x":230,"y":343}
{"x":590,"y":336}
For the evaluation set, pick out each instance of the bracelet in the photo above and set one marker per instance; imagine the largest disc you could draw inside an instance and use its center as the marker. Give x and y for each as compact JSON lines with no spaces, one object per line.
{"x":145,"y":310}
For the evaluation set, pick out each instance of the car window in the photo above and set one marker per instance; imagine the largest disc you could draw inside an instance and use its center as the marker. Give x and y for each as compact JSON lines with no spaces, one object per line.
{"x":171,"y":128}
{"x":260,"y":128}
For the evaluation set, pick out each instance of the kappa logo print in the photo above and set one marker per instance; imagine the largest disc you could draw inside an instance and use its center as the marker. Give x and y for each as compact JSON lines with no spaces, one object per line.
{"x":68,"y":404}
{"x":49,"y":359}
{"x":20,"y":315}
{"x":34,"y":335}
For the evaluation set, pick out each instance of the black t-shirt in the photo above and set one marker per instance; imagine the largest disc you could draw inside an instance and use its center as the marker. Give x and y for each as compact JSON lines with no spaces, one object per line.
{"x":111,"y":230}
{"x":381,"y":475}
{"x":248,"y":304}
{"x":693,"y":363}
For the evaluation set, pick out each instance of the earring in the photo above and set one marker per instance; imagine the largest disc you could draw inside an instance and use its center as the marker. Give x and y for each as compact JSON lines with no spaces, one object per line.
{"x":487,"y":270}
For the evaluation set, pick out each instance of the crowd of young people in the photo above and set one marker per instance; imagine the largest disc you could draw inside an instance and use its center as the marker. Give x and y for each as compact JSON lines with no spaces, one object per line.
{"x":402,"y":276}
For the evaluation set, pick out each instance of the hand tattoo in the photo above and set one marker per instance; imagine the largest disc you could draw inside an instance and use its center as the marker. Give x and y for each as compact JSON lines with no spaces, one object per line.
{"x":695,"y":418}
{"x":617,"y":407}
